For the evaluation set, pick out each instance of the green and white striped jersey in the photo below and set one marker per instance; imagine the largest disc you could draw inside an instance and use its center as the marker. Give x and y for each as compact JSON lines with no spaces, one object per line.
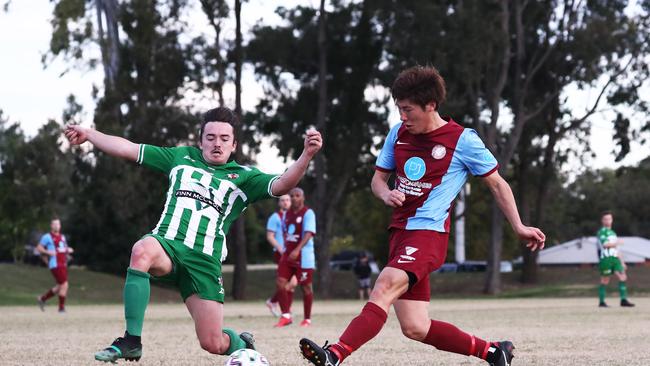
{"x":604,"y":236}
{"x":203,"y":200}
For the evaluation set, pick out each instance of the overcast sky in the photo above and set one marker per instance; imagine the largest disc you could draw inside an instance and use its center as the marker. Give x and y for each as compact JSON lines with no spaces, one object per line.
{"x":31,"y":94}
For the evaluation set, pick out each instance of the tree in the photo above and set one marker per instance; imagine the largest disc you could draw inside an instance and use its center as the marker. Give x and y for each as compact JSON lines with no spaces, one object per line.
{"x":287,"y":59}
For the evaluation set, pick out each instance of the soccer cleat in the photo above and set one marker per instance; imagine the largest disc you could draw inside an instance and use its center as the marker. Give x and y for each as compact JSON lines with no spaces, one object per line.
{"x":283,"y":322}
{"x":41,"y":303}
{"x":500,"y":353}
{"x":61,"y":311}
{"x":602,"y":304}
{"x":626,"y":304}
{"x":120,"y":348}
{"x":317,"y":355}
{"x":273,"y":308}
{"x":248,"y":339}
{"x":305,"y":323}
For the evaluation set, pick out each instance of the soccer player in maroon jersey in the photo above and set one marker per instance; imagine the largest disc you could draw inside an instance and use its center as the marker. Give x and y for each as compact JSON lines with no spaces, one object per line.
{"x":55,"y":246}
{"x":298,"y":258}
{"x":431,"y":158}
{"x":275,"y":237}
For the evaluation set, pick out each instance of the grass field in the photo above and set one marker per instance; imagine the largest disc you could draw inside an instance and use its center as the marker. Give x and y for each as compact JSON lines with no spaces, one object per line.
{"x":19,"y":285}
{"x":570,"y":331}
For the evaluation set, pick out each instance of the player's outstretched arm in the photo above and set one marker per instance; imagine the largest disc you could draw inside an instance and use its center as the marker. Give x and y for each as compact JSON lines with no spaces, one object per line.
{"x":290,"y":178}
{"x":112,"y":145}
{"x":502,"y":193}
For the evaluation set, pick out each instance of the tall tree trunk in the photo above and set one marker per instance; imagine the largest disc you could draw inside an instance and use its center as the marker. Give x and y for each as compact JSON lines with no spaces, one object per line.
{"x":493,"y":274}
{"x":322,"y":212}
{"x":108,"y":40}
{"x":239,"y":276}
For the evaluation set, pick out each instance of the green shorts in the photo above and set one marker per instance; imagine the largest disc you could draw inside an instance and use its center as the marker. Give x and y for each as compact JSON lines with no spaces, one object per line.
{"x":609,"y":265}
{"x":193,"y":272}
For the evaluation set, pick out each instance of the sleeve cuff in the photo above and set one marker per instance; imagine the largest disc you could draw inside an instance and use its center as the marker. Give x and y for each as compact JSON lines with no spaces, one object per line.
{"x":270,"y":188}
{"x":377,"y":167}
{"x":490,"y":172}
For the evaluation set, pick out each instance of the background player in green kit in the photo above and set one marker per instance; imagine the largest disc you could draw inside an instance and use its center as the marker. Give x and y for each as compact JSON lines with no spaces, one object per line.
{"x":207,"y":192}
{"x":611,"y":260}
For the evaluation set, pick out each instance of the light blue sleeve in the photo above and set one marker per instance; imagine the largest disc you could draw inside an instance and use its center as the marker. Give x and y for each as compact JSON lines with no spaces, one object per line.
{"x":273,"y":223}
{"x":309,"y":223}
{"x":474,"y":155}
{"x":46,"y":241}
{"x":386,"y":158}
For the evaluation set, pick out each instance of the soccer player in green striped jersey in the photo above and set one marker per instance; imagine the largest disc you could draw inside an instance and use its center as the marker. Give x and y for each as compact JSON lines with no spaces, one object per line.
{"x":207,"y":192}
{"x":611,"y":261}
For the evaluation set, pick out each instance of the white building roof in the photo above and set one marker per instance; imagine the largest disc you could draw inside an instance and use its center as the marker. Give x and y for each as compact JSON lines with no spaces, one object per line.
{"x":585,"y":250}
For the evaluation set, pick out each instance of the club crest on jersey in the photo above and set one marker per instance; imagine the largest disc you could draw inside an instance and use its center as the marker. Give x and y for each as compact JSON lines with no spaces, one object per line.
{"x":415,"y":168}
{"x":438,"y":152}
{"x":233,"y":176}
{"x":298,"y":219}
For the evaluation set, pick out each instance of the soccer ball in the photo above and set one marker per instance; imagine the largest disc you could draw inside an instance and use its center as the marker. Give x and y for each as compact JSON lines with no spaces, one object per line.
{"x":246,"y":357}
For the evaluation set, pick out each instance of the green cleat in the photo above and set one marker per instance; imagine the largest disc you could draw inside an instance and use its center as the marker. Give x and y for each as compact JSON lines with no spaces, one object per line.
{"x":121,"y":348}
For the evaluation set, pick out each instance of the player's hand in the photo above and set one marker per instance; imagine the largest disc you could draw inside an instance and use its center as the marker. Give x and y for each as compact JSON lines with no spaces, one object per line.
{"x":76,"y":134}
{"x":394,"y":198}
{"x":294,"y":254}
{"x":533,"y":236}
{"x":51,"y":253}
{"x":313,"y":142}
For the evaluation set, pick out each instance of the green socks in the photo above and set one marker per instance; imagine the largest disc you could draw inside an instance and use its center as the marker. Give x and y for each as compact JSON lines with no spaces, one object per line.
{"x":136,"y":298}
{"x":622,"y":290}
{"x":602,"y":291}
{"x":236,"y":343}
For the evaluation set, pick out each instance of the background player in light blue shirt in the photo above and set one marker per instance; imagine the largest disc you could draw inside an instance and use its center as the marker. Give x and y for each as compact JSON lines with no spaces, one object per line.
{"x":275,"y":237}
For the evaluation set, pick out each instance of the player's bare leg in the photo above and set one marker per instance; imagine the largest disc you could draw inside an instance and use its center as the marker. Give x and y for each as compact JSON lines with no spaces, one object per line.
{"x":208,"y":322}
{"x":147,"y":256}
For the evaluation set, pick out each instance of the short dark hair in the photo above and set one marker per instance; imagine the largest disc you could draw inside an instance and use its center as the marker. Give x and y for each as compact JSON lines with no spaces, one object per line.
{"x":220,"y":114}
{"x":605,"y":213}
{"x":420,"y":85}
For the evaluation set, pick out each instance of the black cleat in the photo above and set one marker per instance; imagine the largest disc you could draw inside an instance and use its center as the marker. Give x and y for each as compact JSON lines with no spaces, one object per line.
{"x":626,"y":304}
{"x":121,"y":348}
{"x":500,"y":353}
{"x":248,"y":339}
{"x":602,"y":304}
{"x":317,"y":355}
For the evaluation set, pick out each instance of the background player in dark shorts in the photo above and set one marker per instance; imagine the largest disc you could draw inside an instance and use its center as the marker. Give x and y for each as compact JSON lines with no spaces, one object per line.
{"x":431,"y":158}
{"x":363,"y":270}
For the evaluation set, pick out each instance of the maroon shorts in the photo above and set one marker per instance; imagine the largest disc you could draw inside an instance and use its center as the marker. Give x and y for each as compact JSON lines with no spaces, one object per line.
{"x":418,"y":252}
{"x":304,"y":275}
{"x":276,"y":257}
{"x":60,"y":274}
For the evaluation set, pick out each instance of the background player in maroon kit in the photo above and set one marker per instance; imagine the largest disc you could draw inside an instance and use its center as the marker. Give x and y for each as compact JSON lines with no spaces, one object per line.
{"x":298,"y":258}
{"x":55,"y":246}
{"x":431,"y":158}
{"x":275,"y":237}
